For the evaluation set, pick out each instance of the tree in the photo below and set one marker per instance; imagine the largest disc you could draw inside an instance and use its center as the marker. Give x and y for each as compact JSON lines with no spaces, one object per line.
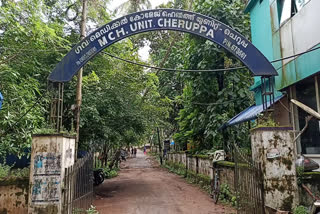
{"x":203,"y":101}
{"x":30,"y":47}
{"x":131,"y":6}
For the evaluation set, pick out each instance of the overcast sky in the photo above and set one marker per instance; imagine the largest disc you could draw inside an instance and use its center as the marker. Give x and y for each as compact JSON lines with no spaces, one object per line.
{"x":116,"y":3}
{"x":143,"y":52}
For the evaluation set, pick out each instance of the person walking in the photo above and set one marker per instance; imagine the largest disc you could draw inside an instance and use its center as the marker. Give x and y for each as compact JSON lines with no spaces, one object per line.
{"x":135,"y":152}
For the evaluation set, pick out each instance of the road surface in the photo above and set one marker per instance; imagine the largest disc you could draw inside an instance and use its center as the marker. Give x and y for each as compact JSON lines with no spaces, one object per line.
{"x":144,"y":188}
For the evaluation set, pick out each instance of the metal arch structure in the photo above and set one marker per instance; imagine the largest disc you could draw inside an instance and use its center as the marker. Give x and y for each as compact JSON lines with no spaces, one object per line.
{"x":162,"y":19}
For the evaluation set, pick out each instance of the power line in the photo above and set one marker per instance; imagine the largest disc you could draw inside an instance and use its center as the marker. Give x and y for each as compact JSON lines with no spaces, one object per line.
{"x":171,"y":69}
{"x":292,"y":56}
{"x":295,"y":56}
{"x":213,"y":70}
{"x":12,"y":126}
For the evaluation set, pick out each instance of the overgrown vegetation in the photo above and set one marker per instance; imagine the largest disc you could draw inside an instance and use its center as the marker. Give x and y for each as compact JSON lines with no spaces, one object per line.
{"x":300,"y":210}
{"x":110,"y":173}
{"x":264,"y":120}
{"x":7,"y":172}
{"x":122,"y":104}
{"x":204,"y":182}
{"x":227,"y":196}
{"x":202,"y":102}
{"x":91,"y":210}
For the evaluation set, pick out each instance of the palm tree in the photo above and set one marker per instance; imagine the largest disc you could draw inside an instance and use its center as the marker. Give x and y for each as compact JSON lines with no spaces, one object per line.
{"x":131,"y":6}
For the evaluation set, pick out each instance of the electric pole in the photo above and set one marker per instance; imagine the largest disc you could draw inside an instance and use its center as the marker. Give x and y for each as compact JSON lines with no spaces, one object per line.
{"x":79,"y":83}
{"x":160,"y":147}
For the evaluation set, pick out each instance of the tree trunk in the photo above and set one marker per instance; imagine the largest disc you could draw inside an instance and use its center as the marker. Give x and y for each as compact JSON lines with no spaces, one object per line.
{"x":115,"y":160}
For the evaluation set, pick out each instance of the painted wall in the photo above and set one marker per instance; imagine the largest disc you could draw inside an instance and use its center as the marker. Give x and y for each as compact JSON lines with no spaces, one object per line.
{"x":50,"y":155}
{"x":261,"y":36}
{"x":296,"y":35}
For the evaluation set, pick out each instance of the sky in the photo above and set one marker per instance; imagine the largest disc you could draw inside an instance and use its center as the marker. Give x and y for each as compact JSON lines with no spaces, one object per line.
{"x":115,"y":3}
{"x":143,"y":52}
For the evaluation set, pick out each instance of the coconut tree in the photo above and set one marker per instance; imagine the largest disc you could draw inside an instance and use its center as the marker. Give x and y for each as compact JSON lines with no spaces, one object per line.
{"x":131,"y":6}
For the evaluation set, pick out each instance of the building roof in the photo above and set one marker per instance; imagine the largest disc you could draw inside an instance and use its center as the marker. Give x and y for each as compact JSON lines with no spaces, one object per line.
{"x":248,"y":114}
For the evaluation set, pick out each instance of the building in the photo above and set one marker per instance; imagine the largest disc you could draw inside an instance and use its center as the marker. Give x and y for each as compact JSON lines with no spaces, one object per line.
{"x":280,"y":29}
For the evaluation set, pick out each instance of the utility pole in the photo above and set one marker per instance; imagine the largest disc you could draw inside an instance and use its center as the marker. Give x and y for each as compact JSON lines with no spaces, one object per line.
{"x":160,"y":147}
{"x":79,"y":83}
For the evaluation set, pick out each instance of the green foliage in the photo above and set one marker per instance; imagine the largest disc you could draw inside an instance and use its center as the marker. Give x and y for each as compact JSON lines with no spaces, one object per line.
{"x":110,"y":173}
{"x":202,"y":180}
{"x":300,"y":172}
{"x":176,"y":168}
{"x":202,"y":156}
{"x":300,"y":210}
{"x":226,"y":195}
{"x":91,"y":210}
{"x":35,"y":35}
{"x":266,"y":121}
{"x":30,"y":46}
{"x":202,"y":102}
{"x":122,"y":103}
{"x":4,"y":170}
{"x":50,"y":130}
{"x":131,"y":6}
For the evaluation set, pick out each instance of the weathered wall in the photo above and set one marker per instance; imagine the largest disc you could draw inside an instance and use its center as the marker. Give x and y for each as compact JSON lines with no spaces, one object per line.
{"x":50,"y":155}
{"x":273,"y":147}
{"x":14,"y":196}
{"x":203,"y":166}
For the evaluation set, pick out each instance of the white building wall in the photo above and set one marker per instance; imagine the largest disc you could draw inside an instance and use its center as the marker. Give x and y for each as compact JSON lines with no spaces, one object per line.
{"x":301,"y":32}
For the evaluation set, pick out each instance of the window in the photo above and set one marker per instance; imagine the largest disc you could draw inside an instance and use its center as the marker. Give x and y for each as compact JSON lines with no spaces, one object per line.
{"x":310,"y":139}
{"x":289,"y":8}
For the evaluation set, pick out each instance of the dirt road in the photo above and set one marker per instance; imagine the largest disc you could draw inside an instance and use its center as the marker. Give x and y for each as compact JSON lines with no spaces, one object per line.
{"x":144,"y":188}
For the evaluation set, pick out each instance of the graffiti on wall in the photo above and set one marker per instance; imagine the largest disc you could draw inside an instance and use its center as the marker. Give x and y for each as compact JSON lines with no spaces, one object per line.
{"x":47,"y":163}
{"x":46,"y":189}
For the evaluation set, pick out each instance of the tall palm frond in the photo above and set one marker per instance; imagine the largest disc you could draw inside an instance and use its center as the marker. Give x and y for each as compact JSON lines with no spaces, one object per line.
{"x":131,"y":6}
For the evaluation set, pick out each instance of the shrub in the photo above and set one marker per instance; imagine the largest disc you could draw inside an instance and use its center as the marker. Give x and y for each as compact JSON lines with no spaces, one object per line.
{"x":110,"y":173}
{"x":300,"y":210}
{"x":4,"y":170}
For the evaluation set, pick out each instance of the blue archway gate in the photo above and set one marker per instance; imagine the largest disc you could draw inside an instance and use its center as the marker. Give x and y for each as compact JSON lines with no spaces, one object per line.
{"x":162,"y":19}
{"x":184,"y":21}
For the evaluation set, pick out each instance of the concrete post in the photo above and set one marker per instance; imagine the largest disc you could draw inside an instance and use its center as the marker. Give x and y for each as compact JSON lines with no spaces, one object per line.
{"x":50,"y":155}
{"x":274,"y":148}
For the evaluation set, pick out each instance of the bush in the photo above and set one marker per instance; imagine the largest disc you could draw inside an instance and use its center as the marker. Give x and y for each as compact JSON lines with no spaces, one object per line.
{"x":300,"y":210}
{"x":226,"y":195}
{"x":4,"y":170}
{"x":110,"y":173}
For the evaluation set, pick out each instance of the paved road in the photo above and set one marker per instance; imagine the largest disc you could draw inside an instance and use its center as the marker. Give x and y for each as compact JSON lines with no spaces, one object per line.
{"x":144,"y":188}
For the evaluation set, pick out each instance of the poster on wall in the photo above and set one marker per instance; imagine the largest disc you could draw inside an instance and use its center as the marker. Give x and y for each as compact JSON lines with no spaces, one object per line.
{"x":46,"y":189}
{"x":47,"y":163}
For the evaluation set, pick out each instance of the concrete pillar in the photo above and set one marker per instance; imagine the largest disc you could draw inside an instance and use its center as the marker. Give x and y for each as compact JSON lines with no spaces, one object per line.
{"x":274,"y":148}
{"x":50,"y":155}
